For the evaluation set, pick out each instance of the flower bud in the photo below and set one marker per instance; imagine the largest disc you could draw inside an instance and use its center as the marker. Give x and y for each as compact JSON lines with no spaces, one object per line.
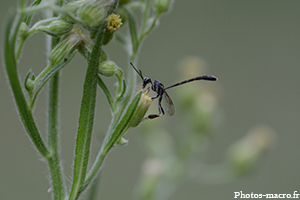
{"x":122,"y":141}
{"x":188,"y":67}
{"x":103,"y":57}
{"x":243,"y":155}
{"x":92,"y":13}
{"x":72,"y":9}
{"x":113,"y":23}
{"x":55,"y":27}
{"x":152,"y":170}
{"x":65,"y":47}
{"x":29,"y":85}
{"x":109,"y":68}
{"x":162,"y":5}
{"x":203,"y":112}
{"x":29,"y":82}
{"x":141,"y":109}
{"x":23,"y":30}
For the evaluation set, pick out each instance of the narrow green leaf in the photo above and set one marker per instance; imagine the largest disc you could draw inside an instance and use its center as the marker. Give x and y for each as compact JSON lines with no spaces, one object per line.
{"x":106,"y":91}
{"x":86,"y":118}
{"x":133,"y":30}
{"x":48,"y":75}
{"x":14,"y":82}
{"x":123,"y":90}
{"x":111,"y":139}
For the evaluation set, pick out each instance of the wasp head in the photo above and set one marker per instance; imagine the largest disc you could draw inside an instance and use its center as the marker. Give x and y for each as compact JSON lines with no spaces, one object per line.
{"x":146,"y":80}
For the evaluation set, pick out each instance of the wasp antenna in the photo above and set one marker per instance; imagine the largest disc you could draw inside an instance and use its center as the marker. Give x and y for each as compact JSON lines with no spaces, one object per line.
{"x":209,"y":78}
{"x":204,"y":77}
{"x":139,"y":72}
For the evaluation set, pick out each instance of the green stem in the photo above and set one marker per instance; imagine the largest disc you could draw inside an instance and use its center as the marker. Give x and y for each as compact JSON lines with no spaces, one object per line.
{"x":94,"y":189}
{"x":37,"y":8}
{"x":53,"y":132}
{"x":19,"y":48}
{"x":118,"y":113}
{"x":131,"y":73}
{"x":86,"y":117}
{"x":111,"y":139}
{"x":46,"y":75}
{"x":42,"y":7}
{"x":29,"y":17}
{"x":42,"y":74}
{"x":145,"y":17}
{"x":145,"y":33}
{"x":95,"y":169}
{"x":54,"y":161}
{"x":27,"y":21}
{"x":13,"y":78}
{"x":135,"y":47}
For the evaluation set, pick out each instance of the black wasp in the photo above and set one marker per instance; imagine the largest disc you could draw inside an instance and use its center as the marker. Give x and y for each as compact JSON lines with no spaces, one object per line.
{"x":160,"y":90}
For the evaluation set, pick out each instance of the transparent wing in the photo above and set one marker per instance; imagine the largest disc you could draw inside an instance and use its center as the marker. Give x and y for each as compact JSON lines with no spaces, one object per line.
{"x":169,"y":106}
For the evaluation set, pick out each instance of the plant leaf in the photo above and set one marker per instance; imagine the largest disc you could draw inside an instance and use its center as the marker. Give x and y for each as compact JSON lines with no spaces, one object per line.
{"x":106,"y":91}
{"x":48,"y":75}
{"x":111,"y":139}
{"x":14,"y":82}
{"x":86,"y":117}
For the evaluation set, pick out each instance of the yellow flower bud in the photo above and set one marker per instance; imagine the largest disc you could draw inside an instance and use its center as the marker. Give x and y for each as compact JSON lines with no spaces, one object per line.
{"x":141,"y":109}
{"x":113,"y":22}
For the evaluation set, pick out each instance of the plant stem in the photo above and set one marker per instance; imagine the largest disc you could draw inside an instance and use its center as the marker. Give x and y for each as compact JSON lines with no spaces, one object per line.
{"x":19,"y":48}
{"x":111,"y":138}
{"x":53,"y":132}
{"x":54,"y":161}
{"x":145,"y":17}
{"x":86,"y":117}
{"x":42,"y":74}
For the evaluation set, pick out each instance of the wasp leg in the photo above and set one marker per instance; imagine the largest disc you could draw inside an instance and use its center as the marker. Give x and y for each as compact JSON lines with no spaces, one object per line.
{"x":160,"y":108}
{"x":161,"y":111}
{"x":155,"y":97}
{"x":153,"y":116}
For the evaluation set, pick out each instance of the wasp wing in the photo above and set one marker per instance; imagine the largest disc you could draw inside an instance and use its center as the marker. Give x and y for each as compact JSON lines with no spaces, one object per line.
{"x":168,"y":104}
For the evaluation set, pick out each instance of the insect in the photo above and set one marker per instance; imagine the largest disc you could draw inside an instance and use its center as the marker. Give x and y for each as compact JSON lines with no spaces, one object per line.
{"x":161,"y":93}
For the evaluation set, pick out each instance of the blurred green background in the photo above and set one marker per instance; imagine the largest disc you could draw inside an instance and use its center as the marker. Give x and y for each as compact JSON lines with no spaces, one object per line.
{"x":253,"y":48}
